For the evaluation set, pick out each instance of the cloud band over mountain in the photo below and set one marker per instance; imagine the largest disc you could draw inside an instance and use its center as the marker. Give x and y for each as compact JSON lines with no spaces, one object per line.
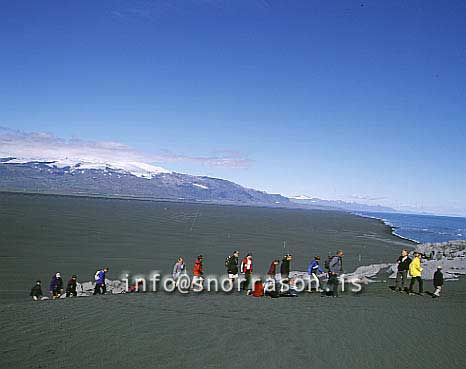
{"x":40,"y":146}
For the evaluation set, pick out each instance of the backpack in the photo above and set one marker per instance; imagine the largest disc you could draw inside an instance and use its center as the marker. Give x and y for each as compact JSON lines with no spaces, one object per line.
{"x":327,"y":262}
{"x":228,"y":261}
{"x":198,"y":270}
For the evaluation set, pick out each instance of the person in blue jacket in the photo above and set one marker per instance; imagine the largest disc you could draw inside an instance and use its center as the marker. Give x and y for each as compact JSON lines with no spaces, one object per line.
{"x":56,"y":286}
{"x":100,"y":287}
{"x":314,"y":270}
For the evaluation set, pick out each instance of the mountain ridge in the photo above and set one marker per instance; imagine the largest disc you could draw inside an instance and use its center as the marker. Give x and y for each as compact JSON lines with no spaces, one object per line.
{"x":344,"y":205}
{"x":140,"y":180}
{"x":47,"y":176}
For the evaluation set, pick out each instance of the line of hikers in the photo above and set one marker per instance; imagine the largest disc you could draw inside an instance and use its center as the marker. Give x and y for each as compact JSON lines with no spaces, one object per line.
{"x":413,"y":267}
{"x":56,"y":286}
{"x":278,"y":275}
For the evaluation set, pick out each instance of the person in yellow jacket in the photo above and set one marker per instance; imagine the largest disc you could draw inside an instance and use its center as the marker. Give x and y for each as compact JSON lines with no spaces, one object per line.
{"x":415,"y":270}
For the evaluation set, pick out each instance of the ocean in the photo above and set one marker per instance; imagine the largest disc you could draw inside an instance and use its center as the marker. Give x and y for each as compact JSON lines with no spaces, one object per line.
{"x":424,"y":228}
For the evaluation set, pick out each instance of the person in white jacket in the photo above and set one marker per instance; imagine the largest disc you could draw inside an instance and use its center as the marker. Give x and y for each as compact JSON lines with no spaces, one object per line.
{"x":178,"y":269}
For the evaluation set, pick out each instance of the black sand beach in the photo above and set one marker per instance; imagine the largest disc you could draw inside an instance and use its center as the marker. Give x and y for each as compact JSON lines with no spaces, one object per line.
{"x":378,"y":329}
{"x":40,"y":235}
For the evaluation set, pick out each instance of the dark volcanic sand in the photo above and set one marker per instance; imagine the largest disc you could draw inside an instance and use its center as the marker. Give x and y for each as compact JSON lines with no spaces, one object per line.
{"x":379,"y":329}
{"x":43,"y":234}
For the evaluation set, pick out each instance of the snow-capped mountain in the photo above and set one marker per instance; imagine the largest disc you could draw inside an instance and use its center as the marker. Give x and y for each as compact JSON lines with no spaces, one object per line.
{"x":72,"y":176}
{"x":303,"y":197}
{"x":338,"y":204}
{"x":133,"y":179}
{"x":137,"y":169}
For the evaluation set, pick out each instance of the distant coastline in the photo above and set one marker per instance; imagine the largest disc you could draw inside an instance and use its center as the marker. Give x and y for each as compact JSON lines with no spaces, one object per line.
{"x":388,"y":224}
{"x":115,"y":196}
{"x":422,"y":228}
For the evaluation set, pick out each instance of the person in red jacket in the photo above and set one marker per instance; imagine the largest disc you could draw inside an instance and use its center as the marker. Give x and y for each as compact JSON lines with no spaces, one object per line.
{"x":273,"y":269}
{"x":258,"y":289}
{"x":246,"y":269}
{"x":198,"y":272}
{"x":198,"y":269}
{"x":272,"y":274}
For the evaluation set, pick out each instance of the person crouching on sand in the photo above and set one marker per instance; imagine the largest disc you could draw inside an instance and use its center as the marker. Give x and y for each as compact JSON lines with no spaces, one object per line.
{"x":100,"y":286}
{"x":71,"y":287}
{"x":438,"y":282}
{"x":246,"y":269}
{"x":36,"y":291}
{"x":258,"y":289}
{"x":178,"y":269}
{"x":198,"y":274}
{"x":271,"y":288}
{"x":415,"y":270}
{"x":56,"y":286}
{"x":288,"y":288}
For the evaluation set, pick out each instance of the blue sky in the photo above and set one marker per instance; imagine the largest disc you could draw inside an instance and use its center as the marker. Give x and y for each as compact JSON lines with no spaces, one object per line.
{"x":360,"y":101}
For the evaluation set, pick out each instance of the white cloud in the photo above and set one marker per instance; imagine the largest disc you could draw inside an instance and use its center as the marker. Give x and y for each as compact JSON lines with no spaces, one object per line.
{"x":368,"y":198}
{"x":227,"y":159}
{"x":44,"y":146}
{"x":40,"y":146}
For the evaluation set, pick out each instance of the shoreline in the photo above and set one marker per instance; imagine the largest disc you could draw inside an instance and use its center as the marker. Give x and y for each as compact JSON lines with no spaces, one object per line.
{"x":391,"y":226}
{"x":453,"y":264}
